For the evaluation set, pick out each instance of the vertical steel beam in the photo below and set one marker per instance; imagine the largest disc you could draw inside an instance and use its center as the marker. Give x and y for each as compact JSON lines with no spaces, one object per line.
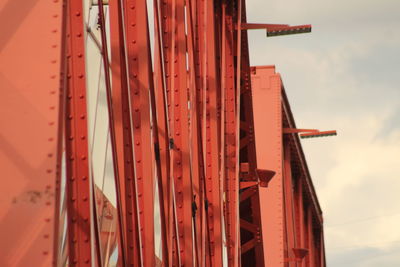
{"x":267,"y":100}
{"x":290,"y":237}
{"x":59,"y":221}
{"x":301,"y":207}
{"x":140,"y":79}
{"x":123,"y":130}
{"x":78,"y":185}
{"x":196,"y":152}
{"x":110,"y":106}
{"x":230,"y":132}
{"x":311,"y":244}
{"x":167,"y":41}
{"x":162,"y":151}
{"x":213,"y":182}
{"x":180,"y":133}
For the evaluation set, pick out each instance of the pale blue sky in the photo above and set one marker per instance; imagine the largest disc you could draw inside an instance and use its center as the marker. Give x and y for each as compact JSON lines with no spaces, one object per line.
{"x":344,"y":76}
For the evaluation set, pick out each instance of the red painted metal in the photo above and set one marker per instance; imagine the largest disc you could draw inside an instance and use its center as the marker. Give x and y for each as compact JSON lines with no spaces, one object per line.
{"x":30,"y":131}
{"x":294,"y":221}
{"x":111,"y":115}
{"x":212,"y":179}
{"x":76,"y":135}
{"x":123,"y":128}
{"x":230,"y":128}
{"x":212,"y":138}
{"x":140,"y":80}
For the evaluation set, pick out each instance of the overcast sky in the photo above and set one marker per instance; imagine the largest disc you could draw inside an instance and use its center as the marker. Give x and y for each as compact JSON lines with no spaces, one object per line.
{"x":344,"y":76}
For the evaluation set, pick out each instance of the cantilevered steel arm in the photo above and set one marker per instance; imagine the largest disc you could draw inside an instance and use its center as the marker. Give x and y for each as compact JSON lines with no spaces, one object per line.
{"x":309,"y":133}
{"x":277,"y":29}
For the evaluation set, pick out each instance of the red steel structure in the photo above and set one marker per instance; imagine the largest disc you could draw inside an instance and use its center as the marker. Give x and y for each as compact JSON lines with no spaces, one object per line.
{"x":135,"y":135}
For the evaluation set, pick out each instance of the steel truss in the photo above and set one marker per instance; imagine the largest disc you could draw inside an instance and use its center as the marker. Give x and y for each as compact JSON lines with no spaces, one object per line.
{"x":186,"y":163}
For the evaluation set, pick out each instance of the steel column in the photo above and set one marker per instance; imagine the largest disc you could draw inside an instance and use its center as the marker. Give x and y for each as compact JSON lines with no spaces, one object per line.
{"x":140,"y":76}
{"x":77,"y":179}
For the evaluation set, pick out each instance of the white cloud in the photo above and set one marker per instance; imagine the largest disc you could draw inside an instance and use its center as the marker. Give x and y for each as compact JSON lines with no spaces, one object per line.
{"x":344,"y":76}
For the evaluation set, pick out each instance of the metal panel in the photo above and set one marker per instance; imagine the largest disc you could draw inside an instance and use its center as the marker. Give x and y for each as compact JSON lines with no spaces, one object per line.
{"x":30,"y":41}
{"x":268,"y":133}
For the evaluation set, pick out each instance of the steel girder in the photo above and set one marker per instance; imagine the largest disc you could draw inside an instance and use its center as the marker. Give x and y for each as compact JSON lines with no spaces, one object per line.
{"x":187,"y":123}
